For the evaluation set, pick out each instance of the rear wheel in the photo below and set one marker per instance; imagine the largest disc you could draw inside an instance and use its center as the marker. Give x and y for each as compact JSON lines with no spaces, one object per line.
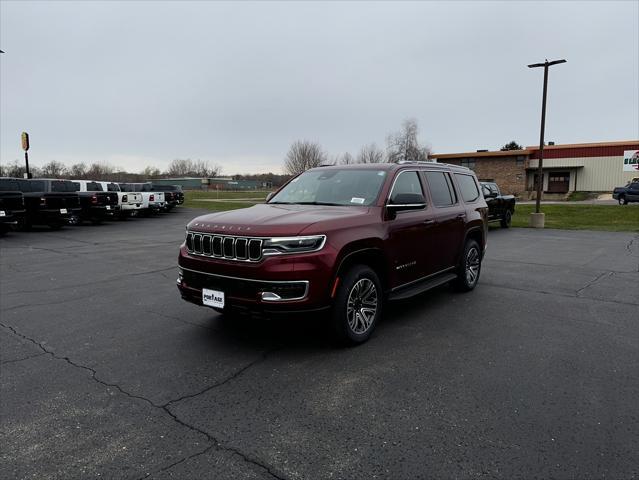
{"x":622,"y":200}
{"x":506,"y":220}
{"x":358,"y":305}
{"x":469,"y":267}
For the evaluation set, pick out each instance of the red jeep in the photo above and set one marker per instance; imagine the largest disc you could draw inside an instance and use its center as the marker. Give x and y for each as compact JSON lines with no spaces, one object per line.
{"x":345,"y":239}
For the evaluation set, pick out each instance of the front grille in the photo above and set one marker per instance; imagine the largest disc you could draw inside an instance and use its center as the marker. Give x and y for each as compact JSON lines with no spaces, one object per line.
{"x":223,"y":246}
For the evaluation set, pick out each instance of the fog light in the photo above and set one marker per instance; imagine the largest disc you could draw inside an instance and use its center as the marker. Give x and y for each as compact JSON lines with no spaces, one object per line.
{"x":180,"y":277}
{"x":270,"y":297}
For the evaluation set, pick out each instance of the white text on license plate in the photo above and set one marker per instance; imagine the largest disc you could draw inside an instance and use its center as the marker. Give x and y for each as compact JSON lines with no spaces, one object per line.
{"x":213,"y":298}
{"x":63,"y":210}
{"x":2,"y":214}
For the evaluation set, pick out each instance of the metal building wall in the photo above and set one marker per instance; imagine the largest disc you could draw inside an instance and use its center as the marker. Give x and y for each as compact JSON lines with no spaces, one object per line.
{"x":599,"y":174}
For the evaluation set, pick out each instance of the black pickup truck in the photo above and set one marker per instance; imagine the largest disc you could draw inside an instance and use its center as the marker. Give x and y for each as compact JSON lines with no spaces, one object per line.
{"x":12,"y":208}
{"x":96,"y":204}
{"x":627,"y":194}
{"x":500,"y":207}
{"x":173,"y":195}
{"x":48,"y":202}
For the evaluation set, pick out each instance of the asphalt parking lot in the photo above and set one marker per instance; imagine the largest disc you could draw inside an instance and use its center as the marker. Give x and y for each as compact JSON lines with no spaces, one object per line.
{"x":107,"y":373}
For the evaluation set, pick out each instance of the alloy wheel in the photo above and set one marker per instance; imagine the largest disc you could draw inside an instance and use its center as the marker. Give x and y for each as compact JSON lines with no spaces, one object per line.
{"x":472,"y":266}
{"x":361,"y":307}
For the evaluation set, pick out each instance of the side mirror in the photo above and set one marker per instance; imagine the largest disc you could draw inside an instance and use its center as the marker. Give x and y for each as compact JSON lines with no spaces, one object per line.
{"x":269,"y":196}
{"x":407,"y":201}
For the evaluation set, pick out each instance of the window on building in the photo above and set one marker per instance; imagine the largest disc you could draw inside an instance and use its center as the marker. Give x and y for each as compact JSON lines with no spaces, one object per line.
{"x":468,"y":163}
{"x":519,"y":161}
{"x":467,"y":187}
{"x":440,"y":189}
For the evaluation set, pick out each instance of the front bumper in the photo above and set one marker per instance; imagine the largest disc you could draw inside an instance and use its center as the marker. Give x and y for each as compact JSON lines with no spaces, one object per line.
{"x":284,"y":283}
{"x":11,"y":217}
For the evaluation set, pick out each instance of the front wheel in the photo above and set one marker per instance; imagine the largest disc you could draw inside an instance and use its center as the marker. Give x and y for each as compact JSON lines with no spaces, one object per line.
{"x":622,"y":200}
{"x":507,"y":219}
{"x":469,"y":267}
{"x":358,"y":305}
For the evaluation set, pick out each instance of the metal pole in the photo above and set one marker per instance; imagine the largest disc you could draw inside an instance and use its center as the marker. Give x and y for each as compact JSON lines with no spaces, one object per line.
{"x":26,"y":162}
{"x":540,"y":177}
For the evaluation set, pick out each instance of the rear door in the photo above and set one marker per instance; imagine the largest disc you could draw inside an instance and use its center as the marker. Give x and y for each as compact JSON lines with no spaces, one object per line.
{"x":449,"y":217}
{"x":633,"y":192}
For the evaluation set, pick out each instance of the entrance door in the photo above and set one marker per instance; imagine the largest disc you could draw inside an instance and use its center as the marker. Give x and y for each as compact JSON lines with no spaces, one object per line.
{"x":558,"y":182}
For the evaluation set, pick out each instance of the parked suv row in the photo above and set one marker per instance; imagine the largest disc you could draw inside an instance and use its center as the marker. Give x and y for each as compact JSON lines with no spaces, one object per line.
{"x":56,"y":202}
{"x":340,"y":239}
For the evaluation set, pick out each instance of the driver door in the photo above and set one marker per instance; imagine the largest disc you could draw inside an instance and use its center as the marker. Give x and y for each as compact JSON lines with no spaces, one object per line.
{"x":407,"y":231}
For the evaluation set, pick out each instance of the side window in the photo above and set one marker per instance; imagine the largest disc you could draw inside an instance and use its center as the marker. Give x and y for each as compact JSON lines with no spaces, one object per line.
{"x":440,"y":189}
{"x":76,"y":186}
{"x":468,"y":188}
{"x":407,"y":189}
{"x":37,"y":186}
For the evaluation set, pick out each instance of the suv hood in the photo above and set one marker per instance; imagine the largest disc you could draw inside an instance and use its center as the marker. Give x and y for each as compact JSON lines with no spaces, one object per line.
{"x":264,"y":220}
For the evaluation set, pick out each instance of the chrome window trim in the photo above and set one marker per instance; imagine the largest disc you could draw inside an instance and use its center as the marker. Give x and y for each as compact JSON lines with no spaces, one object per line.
{"x":419,"y":179}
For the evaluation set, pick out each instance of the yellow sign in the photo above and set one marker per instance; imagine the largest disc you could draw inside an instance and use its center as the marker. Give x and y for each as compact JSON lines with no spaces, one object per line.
{"x":25,"y":141}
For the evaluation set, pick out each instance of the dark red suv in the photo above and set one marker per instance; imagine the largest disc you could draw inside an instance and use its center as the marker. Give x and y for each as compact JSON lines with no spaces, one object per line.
{"x":344,"y":239}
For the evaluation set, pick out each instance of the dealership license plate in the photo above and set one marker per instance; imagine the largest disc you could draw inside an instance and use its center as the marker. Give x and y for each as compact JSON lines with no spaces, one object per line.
{"x":213,"y":298}
{"x":2,"y":214}
{"x":108,"y":207}
{"x":63,"y":210}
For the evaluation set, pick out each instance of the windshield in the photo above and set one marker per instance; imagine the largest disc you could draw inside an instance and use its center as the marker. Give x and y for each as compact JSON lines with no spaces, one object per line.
{"x":333,"y":187}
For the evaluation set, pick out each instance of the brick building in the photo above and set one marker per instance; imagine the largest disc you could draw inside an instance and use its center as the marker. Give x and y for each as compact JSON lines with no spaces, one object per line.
{"x":586,"y":167}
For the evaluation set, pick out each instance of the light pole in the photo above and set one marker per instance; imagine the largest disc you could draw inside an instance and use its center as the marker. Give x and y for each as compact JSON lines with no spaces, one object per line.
{"x":537,"y":218}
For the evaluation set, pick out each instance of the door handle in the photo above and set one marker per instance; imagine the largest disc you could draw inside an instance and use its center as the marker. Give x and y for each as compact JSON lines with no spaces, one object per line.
{"x":461,"y":215}
{"x":429,"y":222}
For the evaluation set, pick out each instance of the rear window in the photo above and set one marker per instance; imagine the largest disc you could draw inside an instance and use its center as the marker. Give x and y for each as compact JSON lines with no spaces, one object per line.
{"x":113,"y":187}
{"x":467,"y":187}
{"x":94,"y":187}
{"x":9,"y":185}
{"x":62,"y":186}
{"x":32,"y":185}
{"x":441,"y":189}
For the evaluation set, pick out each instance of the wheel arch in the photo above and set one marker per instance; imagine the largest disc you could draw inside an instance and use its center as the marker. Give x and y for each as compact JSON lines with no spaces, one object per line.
{"x":371,"y":256}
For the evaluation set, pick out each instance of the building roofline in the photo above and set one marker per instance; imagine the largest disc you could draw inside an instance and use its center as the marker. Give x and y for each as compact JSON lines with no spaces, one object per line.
{"x":530,"y":149}
{"x":586,"y":145}
{"x":498,"y":153}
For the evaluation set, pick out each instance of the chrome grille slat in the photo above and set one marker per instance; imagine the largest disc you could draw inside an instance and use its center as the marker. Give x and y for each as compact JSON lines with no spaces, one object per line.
{"x":225,"y":247}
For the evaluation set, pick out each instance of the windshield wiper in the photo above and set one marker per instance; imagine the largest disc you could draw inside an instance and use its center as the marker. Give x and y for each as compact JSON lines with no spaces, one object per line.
{"x":321,"y":203}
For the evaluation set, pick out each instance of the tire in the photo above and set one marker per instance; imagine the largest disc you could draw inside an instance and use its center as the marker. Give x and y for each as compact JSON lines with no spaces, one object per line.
{"x":469,"y":267}
{"x":622,"y":200}
{"x":357,"y":306}
{"x":507,"y":219}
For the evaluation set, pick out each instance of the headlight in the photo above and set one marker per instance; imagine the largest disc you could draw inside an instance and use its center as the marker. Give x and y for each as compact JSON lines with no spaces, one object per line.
{"x":280,"y":245}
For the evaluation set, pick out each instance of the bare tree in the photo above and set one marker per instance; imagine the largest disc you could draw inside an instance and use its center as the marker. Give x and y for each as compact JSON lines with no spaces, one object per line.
{"x":78,"y":170}
{"x":189,"y":168}
{"x":17,"y":169}
{"x":100,"y":171}
{"x":303,"y":155}
{"x":347,"y":159}
{"x":404,"y":145}
{"x":54,"y":169}
{"x":370,"y":154}
{"x":151,"y":172}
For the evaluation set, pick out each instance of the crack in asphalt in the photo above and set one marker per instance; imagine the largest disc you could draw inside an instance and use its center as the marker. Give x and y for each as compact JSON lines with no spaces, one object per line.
{"x":580,"y":297}
{"x":15,"y":360}
{"x":592,"y":282}
{"x":631,"y":245}
{"x":97,"y":282}
{"x":215,"y":443}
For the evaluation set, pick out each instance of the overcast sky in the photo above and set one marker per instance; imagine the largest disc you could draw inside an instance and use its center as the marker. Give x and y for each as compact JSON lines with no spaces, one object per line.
{"x":142,"y":83}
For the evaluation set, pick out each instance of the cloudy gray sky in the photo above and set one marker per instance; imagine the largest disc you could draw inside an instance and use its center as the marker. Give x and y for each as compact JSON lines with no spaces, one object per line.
{"x":142,"y":83}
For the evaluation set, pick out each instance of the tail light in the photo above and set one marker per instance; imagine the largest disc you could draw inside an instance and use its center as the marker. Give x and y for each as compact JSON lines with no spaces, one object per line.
{"x":94,"y":199}
{"x":43,"y":201}
{"x":124,"y":198}
{"x":151,"y":198}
